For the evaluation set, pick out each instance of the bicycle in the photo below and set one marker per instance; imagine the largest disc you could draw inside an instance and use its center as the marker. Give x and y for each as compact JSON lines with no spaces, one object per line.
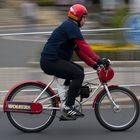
{"x":31,"y":106}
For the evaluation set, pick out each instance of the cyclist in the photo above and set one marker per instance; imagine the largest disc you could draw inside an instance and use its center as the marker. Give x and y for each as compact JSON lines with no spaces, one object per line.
{"x":57,"y":52}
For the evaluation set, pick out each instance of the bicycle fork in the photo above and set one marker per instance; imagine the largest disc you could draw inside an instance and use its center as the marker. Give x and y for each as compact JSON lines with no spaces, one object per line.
{"x":116,"y":107}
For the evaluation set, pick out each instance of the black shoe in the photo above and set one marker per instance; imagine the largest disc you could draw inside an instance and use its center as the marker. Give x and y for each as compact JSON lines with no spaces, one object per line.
{"x":64,"y":118}
{"x":72,"y":112}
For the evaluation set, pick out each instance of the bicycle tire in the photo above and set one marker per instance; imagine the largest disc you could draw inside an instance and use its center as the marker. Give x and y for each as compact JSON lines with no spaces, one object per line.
{"x":30,"y":122}
{"x":126,"y":101}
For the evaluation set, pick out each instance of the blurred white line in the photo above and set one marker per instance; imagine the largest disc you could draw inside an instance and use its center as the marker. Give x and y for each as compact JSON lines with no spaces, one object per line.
{"x":30,"y":33}
{"x":49,"y":32}
{"x":23,"y":39}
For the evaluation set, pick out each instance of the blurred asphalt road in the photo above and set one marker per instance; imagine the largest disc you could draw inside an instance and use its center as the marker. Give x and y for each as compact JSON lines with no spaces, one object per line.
{"x":86,"y":128}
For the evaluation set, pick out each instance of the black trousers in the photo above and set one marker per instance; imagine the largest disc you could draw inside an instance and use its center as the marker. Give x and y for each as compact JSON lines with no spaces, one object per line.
{"x":72,"y":72}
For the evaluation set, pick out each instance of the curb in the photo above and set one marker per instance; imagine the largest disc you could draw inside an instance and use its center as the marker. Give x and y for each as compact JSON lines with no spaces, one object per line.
{"x":114,"y":64}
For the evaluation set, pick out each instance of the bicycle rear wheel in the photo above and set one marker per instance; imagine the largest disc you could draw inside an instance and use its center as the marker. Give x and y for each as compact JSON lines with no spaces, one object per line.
{"x":28,"y":122}
{"x":121,"y":118}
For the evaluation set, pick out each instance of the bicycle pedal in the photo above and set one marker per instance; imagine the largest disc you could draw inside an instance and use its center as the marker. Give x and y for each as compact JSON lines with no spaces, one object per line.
{"x":63,"y":118}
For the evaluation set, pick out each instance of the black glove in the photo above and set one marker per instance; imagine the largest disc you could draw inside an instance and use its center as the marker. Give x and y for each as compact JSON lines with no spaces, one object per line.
{"x":103,"y":61}
{"x":95,"y":66}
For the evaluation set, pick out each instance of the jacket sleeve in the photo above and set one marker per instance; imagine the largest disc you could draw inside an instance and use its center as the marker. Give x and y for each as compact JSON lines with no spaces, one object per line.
{"x":85,"y":53}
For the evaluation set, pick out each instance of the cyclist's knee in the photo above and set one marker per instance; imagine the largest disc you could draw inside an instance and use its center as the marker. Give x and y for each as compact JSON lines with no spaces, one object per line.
{"x":80,"y":76}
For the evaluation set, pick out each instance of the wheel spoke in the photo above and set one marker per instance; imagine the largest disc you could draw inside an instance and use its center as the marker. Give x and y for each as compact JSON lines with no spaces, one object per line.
{"x":32,"y":122}
{"x":120,"y":116}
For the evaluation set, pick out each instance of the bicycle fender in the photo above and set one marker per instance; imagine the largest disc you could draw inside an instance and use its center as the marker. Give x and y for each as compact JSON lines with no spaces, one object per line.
{"x":26,"y":82}
{"x":100,"y":93}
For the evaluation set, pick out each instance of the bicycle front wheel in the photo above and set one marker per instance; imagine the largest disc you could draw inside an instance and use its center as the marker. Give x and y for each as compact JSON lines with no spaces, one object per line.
{"x":117,"y":117}
{"x":28,"y":122}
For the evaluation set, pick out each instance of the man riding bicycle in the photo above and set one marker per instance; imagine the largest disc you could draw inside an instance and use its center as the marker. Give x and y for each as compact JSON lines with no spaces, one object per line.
{"x":57,"y":53}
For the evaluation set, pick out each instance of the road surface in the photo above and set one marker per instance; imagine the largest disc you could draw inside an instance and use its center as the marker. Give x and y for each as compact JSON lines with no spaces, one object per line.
{"x":86,"y":128}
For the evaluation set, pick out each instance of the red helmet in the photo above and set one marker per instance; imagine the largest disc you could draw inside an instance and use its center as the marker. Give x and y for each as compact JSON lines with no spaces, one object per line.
{"x":77,"y":11}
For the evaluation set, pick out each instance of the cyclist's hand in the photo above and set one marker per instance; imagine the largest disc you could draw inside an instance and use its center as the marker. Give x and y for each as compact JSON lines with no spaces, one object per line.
{"x":95,"y":66}
{"x":104,"y":61}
